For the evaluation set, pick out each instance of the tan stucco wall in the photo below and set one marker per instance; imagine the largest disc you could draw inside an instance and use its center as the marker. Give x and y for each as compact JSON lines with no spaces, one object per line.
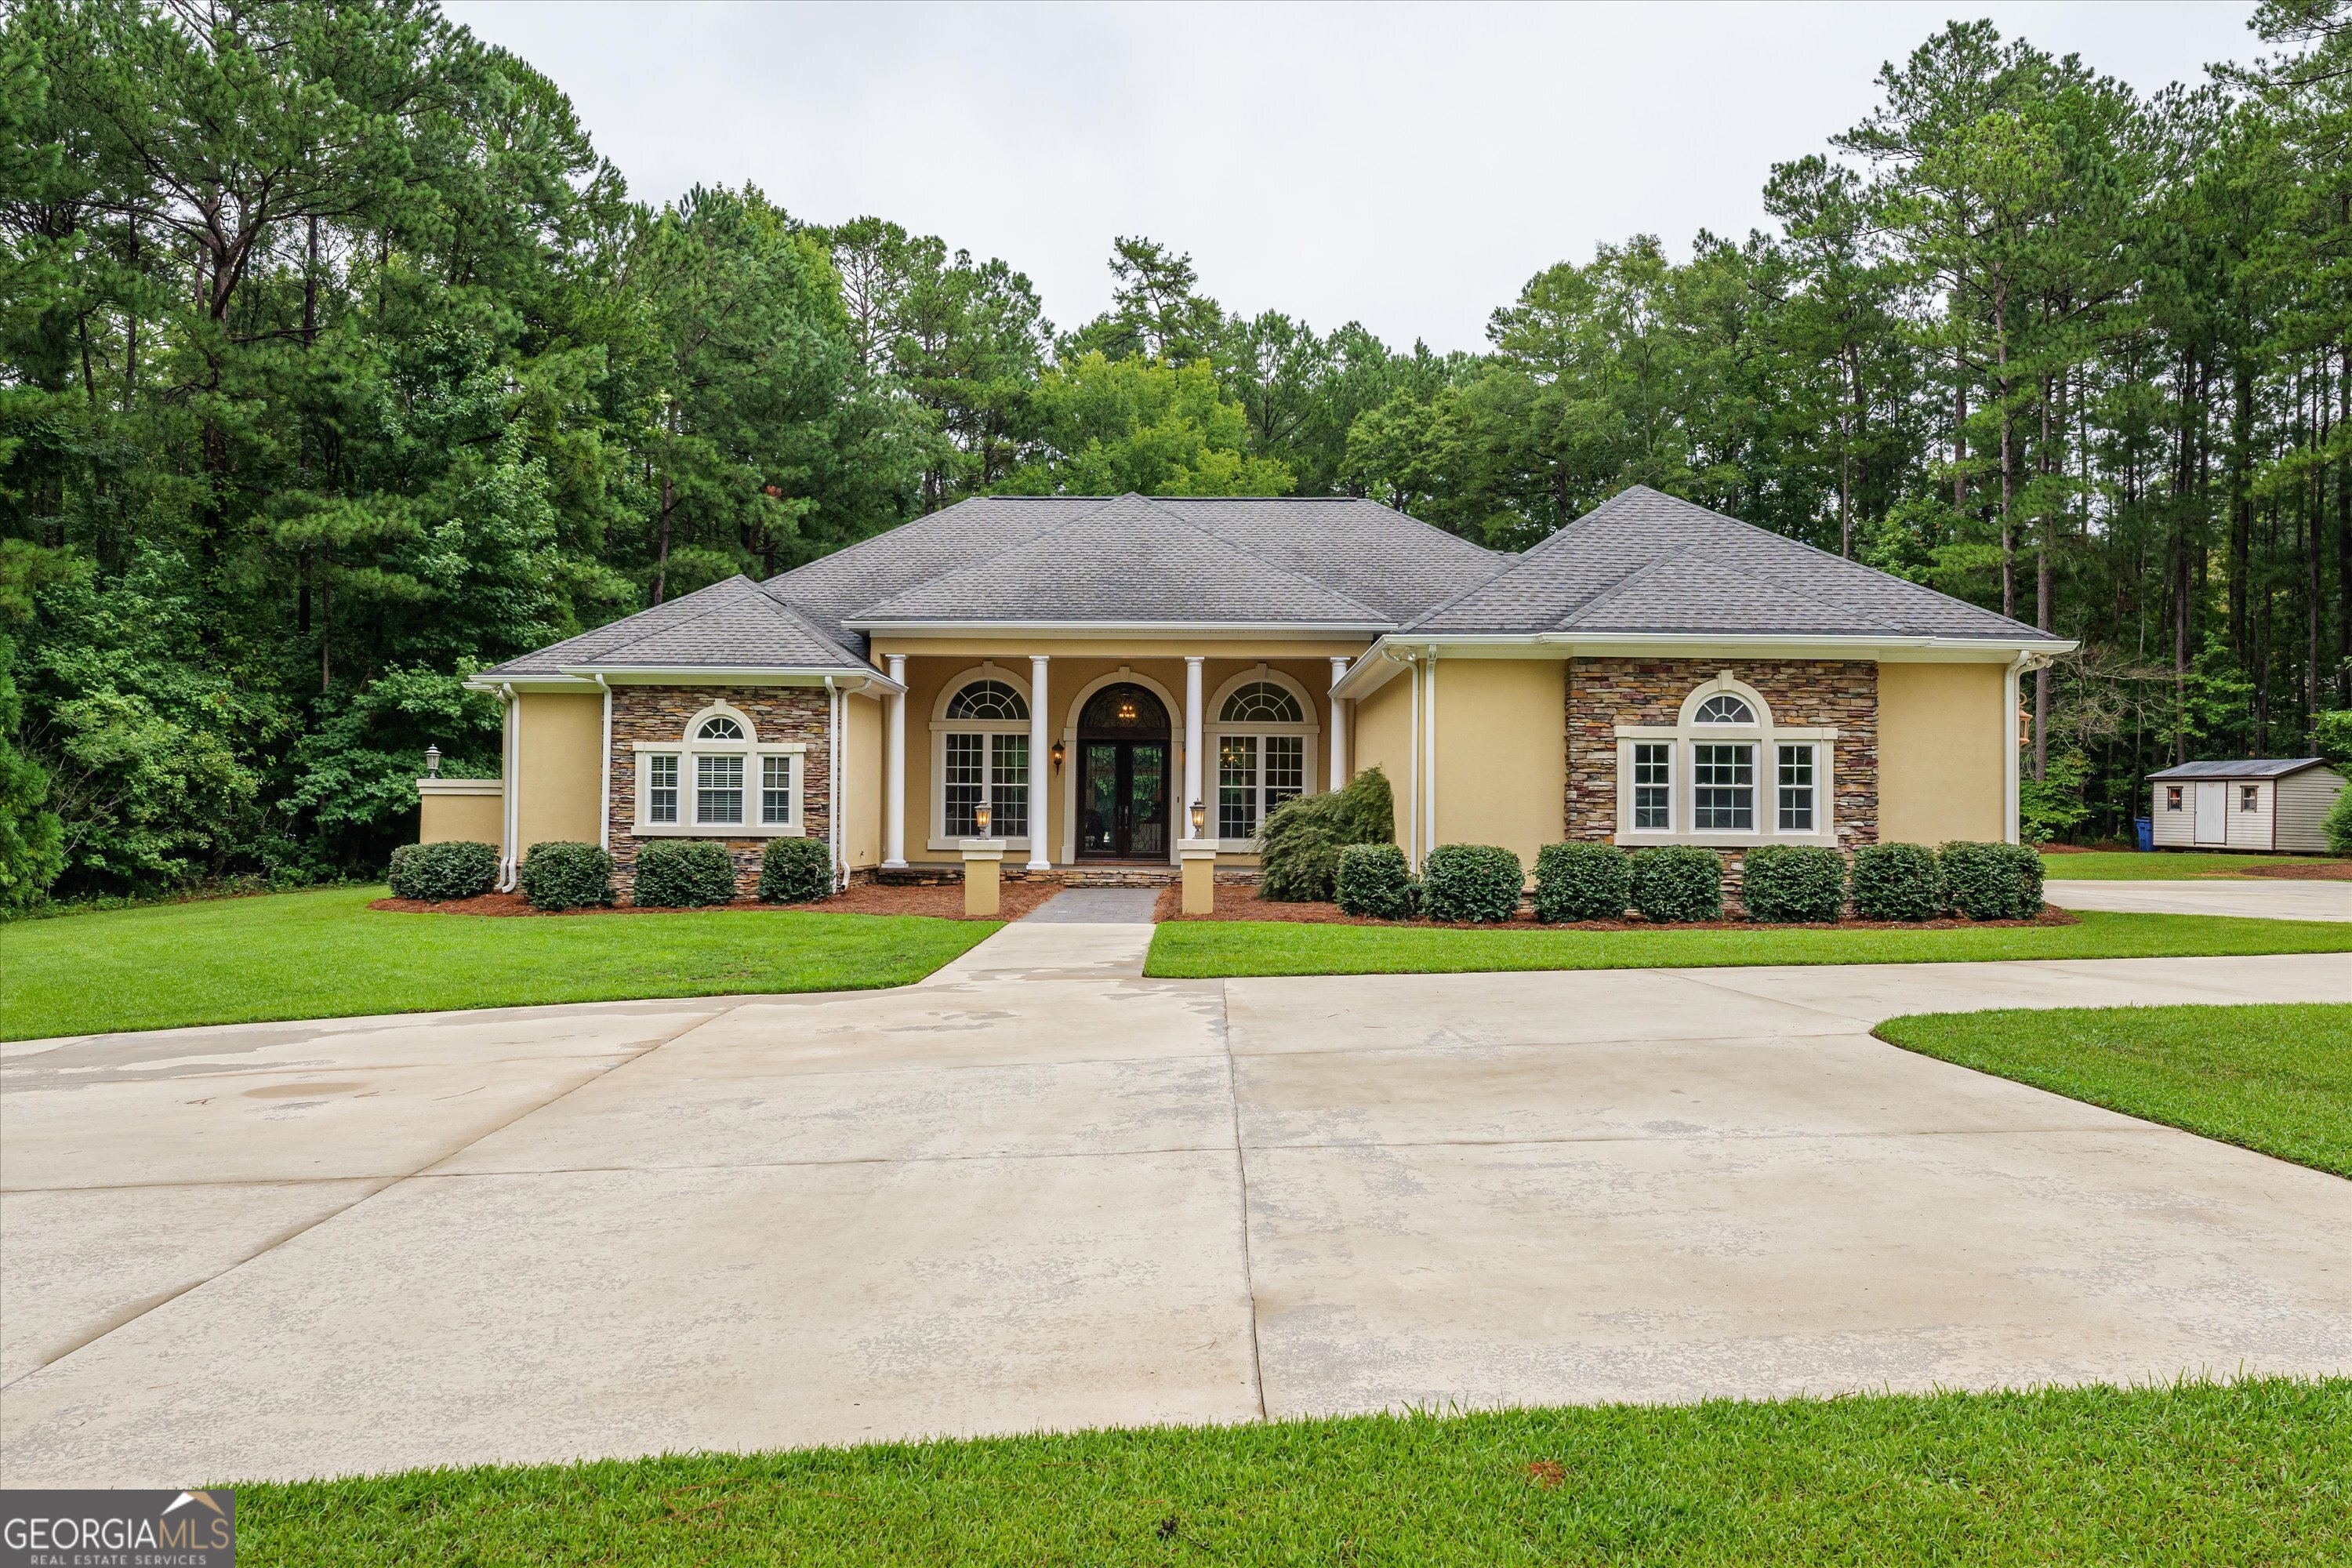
{"x":464,"y":818}
{"x":1381,"y":736}
{"x":558,"y":777}
{"x":861,"y":817}
{"x":1502,"y":766}
{"x":1944,"y":752}
{"x":930,"y":669}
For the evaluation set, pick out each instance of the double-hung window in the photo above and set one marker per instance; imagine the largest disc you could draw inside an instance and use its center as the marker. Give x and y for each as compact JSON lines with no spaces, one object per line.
{"x":661,"y":788}
{"x":775,"y":791}
{"x":1654,"y":787}
{"x":1796,"y":788}
{"x":1723,"y":786}
{"x":718,"y":790}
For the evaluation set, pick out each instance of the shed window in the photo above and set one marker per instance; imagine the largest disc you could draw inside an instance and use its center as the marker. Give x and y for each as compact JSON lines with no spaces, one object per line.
{"x":2172,"y":797}
{"x":2249,"y":795}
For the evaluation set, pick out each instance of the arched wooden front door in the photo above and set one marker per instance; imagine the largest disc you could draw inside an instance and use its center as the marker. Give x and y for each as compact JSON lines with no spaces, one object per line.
{"x":1123,"y":758}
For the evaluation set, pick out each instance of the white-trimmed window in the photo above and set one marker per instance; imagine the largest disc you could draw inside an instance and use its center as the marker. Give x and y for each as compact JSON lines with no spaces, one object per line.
{"x":1724,"y":771}
{"x":981,"y":741}
{"x":1261,"y":737}
{"x":718,"y":780}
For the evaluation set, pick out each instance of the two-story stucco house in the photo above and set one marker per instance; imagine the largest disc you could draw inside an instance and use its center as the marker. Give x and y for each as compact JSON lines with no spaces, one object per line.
{"x":1089,"y":667}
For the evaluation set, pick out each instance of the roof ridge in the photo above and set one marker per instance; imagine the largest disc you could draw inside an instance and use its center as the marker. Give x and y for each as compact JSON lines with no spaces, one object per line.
{"x":666,"y":630}
{"x":1779,"y":583}
{"x":1218,"y":539}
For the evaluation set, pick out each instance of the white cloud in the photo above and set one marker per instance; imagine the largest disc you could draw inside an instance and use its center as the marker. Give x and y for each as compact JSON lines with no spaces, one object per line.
{"x":1406,"y":167}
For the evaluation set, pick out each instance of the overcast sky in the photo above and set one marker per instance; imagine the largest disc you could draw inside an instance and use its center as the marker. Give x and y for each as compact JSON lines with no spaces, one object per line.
{"x":1408,"y":168}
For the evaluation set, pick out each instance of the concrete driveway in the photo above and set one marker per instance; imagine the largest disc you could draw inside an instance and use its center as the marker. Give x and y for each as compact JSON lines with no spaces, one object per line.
{"x":1039,"y":1191}
{"x":2269,"y":900}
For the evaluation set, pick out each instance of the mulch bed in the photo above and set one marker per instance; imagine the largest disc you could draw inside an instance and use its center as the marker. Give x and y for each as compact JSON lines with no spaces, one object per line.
{"x":1241,"y":905}
{"x":943,"y":902}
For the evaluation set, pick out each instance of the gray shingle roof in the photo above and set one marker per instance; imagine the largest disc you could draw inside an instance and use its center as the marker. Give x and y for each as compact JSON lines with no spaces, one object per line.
{"x":1645,"y":561}
{"x":728,"y":625}
{"x":2253,"y":768}
{"x":1129,"y":561}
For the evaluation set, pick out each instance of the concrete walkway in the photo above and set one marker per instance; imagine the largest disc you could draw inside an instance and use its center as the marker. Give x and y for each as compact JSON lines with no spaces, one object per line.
{"x":1040,"y":1191}
{"x":2270,"y":900}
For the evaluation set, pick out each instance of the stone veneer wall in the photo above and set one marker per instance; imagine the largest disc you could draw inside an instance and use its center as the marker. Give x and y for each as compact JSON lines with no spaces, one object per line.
{"x":778,"y":713}
{"x":1840,"y":694}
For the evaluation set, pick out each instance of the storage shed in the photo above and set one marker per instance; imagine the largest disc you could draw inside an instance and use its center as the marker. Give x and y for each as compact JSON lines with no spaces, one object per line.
{"x":2268,"y":803}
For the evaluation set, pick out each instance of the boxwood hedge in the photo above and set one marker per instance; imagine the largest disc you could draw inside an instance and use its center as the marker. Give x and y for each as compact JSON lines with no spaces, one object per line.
{"x":1471,"y":882}
{"x":454,"y":868}
{"x":1582,"y":882}
{"x":1783,"y":882}
{"x":1678,"y":882}
{"x":1897,"y":882}
{"x":559,"y":875}
{"x":684,"y":874}
{"x":1374,"y":881}
{"x":795,"y":871}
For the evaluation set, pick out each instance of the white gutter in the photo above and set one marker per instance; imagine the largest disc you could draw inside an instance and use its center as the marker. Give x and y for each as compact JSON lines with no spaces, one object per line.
{"x":1127,"y":629}
{"x":637,"y":674}
{"x":1366,"y":674}
{"x":604,"y":775}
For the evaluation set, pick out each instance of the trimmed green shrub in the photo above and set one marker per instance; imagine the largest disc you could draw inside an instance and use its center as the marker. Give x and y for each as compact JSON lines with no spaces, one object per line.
{"x":1471,"y":882}
{"x":1991,"y":882}
{"x":454,"y":868}
{"x":684,"y":874}
{"x":1374,"y":881}
{"x":1898,"y":882}
{"x":1793,"y":882}
{"x":795,"y":871}
{"x":1678,"y":882}
{"x":1582,"y":882}
{"x":558,"y":876}
{"x":2336,"y":825}
{"x":1300,"y":840}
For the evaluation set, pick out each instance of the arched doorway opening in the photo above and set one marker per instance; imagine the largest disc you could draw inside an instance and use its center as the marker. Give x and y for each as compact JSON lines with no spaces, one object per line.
{"x":1123,"y":757}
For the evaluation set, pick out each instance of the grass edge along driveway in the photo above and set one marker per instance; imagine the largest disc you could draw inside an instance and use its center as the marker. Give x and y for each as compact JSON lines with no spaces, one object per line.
{"x":2273,"y":1077}
{"x":325,"y":954}
{"x":2197,"y":1472}
{"x":1223,"y":950}
{"x":2164,"y":865}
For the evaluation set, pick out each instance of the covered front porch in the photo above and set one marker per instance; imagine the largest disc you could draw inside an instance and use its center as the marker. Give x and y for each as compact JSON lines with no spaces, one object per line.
{"x":1090,"y":755}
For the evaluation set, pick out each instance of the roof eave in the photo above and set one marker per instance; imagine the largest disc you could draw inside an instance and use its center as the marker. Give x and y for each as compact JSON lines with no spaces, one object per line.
{"x":932,"y":629}
{"x":1368,"y":674}
{"x":704,"y":674}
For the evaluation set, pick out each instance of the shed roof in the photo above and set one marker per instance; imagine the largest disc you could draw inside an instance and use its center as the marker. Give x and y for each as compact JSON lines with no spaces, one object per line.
{"x":2251,"y":768}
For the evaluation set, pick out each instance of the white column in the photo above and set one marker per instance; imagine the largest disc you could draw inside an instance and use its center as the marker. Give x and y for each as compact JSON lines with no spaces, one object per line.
{"x":1191,"y":743}
{"x":1339,"y":774}
{"x":1038,"y":764}
{"x":894,"y":769}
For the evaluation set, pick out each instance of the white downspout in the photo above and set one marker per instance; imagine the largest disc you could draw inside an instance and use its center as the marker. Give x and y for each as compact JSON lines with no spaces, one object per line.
{"x":604,"y":777}
{"x":893,"y":768}
{"x":1412,"y":818}
{"x":1339,"y":774}
{"x":1429,"y":756}
{"x":833,"y":764}
{"x":510,"y":765}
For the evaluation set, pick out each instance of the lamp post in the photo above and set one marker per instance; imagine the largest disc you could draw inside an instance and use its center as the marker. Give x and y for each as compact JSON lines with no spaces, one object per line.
{"x":1200,"y":820}
{"x":980,"y":815}
{"x":432,"y":762}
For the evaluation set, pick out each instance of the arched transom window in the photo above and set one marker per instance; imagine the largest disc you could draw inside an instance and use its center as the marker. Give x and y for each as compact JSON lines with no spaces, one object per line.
{"x":982,"y":744}
{"x":1726,"y":771}
{"x":1261,"y":741}
{"x":718,"y":780}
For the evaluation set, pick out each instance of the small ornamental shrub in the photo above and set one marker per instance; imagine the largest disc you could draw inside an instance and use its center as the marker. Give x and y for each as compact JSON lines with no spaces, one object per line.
{"x":1582,"y":882}
{"x":2336,"y":825}
{"x":795,"y":871}
{"x":1897,"y":882}
{"x":684,"y":874}
{"x":1374,"y":881}
{"x":1991,"y":882}
{"x":1793,"y":882}
{"x":1300,"y":840}
{"x":557,"y":876}
{"x":1471,"y":882}
{"x":1678,"y":882}
{"x":454,"y":868}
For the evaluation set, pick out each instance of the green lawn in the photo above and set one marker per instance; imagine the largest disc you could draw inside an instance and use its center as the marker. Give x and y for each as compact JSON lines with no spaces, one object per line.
{"x":2251,"y":1472}
{"x":326,"y":954}
{"x":2276,"y":1078}
{"x":2123,"y":866}
{"x":1202,"y":950}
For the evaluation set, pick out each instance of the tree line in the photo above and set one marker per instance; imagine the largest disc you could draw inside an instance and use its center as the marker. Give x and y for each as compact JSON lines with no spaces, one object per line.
{"x":335,"y":365}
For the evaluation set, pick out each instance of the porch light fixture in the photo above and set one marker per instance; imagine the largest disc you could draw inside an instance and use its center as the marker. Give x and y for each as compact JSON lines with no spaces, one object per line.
{"x":432,"y":762}
{"x":1058,"y":755}
{"x":1200,"y":818}
{"x":1126,"y":710}
{"x":980,"y":815}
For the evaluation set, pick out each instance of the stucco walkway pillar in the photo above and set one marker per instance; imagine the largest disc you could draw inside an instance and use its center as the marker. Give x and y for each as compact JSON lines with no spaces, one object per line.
{"x":893,"y":768}
{"x":1037,"y":765}
{"x":1339,"y":774}
{"x":1191,"y":744}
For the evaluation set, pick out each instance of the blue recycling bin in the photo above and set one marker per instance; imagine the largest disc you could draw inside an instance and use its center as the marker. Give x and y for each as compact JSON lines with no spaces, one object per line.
{"x":2143,"y":830}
